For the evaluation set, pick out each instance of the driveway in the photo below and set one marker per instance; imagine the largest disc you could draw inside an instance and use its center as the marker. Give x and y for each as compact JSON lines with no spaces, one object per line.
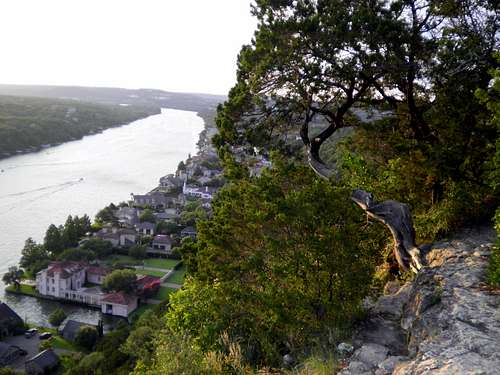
{"x":30,"y":345}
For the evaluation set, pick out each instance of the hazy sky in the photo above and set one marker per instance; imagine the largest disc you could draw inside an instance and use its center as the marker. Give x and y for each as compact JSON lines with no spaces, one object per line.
{"x":177,"y":45}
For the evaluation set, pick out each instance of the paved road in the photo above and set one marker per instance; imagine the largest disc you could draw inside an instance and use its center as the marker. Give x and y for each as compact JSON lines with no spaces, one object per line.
{"x":30,"y":345}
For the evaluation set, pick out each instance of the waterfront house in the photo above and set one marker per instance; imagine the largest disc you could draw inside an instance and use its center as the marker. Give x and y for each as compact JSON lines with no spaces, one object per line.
{"x":162,"y":244}
{"x":146,"y":228}
{"x":8,"y":353}
{"x":61,"y":279}
{"x":43,"y":363}
{"x":119,"y":304}
{"x":10,"y":322}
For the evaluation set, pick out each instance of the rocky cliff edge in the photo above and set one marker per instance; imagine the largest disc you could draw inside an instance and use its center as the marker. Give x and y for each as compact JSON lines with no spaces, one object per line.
{"x":446,"y":321}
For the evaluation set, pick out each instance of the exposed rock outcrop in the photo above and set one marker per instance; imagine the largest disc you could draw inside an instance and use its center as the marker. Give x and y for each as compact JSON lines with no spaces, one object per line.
{"x":447,"y":321}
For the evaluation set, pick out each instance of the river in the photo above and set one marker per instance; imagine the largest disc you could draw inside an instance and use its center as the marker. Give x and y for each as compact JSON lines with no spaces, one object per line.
{"x":81,"y":177}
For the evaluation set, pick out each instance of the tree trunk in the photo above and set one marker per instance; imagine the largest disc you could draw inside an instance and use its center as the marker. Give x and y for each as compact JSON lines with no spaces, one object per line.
{"x":396,"y":216}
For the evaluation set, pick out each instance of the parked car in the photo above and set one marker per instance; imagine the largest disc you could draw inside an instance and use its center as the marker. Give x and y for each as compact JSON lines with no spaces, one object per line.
{"x":45,"y":336}
{"x":30,"y":333}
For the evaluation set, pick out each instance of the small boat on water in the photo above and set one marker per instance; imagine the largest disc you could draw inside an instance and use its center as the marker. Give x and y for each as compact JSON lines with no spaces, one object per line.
{"x":81,"y":179}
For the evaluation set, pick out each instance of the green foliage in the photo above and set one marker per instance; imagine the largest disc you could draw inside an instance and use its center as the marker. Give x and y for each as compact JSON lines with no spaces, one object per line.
{"x":282,"y":256}
{"x":34,"y":257}
{"x":77,"y":254}
{"x":13,"y":277}
{"x":101,"y":248}
{"x":88,"y":365}
{"x":106,"y":215}
{"x":147,"y":215}
{"x":494,"y":266}
{"x":86,"y":337}
{"x":46,"y":344}
{"x":137,"y":251}
{"x":141,"y":341}
{"x":168,"y":227}
{"x":32,"y":122}
{"x":53,"y":241}
{"x":57,"y":317}
{"x":120,"y":280}
{"x":8,"y":371}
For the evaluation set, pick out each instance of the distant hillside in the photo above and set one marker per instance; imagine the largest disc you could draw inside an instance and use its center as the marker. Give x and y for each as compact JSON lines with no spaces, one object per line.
{"x":28,"y":123}
{"x":204,"y":104}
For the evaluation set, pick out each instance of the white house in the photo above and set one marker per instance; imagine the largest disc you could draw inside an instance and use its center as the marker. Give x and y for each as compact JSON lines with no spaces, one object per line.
{"x":161,"y":244}
{"x":69,"y":281}
{"x":119,"y":304}
{"x":198,"y":192}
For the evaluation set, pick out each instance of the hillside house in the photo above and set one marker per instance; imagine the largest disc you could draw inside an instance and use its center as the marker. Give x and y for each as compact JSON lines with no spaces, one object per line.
{"x":8,"y":354}
{"x":43,"y":363}
{"x":127,"y":215}
{"x":10,"y":322}
{"x":71,"y":328}
{"x":162,"y":244}
{"x":154,"y":200}
{"x":198,"y":192}
{"x":170,"y":182}
{"x":188,"y":232}
{"x":146,"y":228}
{"x":123,"y":237}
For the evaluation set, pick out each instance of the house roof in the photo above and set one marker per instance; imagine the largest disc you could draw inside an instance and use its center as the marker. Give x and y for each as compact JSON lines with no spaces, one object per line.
{"x":4,"y":348}
{"x":65,"y":269}
{"x":118,"y":298}
{"x":98,"y":270}
{"x":162,"y":238}
{"x":7,"y":313}
{"x":143,"y":280}
{"x":189,"y":230}
{"x":145,"y":225}
{"x":46,"y":359}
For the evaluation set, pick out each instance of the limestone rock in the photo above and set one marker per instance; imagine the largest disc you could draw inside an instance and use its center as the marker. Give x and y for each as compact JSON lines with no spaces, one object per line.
{"x":444,"y":322}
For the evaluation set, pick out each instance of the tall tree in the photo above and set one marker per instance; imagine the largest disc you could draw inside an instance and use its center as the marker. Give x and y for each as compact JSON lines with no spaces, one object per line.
{"x":34,"y":257}
{"x":53,"y":240}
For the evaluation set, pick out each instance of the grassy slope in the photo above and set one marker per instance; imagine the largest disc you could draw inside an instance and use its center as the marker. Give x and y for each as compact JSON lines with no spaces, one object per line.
{"x":27,"y":122}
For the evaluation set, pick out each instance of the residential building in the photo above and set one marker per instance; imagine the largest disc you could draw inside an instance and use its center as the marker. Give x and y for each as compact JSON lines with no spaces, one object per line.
{"x":119,"y":304}
{"x":188,"y":232}
{"x":8,"y":353}
{"x":146,"y":228}
{"x":162,"y":244}
{"x":71,"y":328}
{"x":10,"y":322}
{"x":198,"y":192}
{"x":43,"y":363}
{"x":123,"y":237}
{"x":170,"y":182}
{"x":154,"y":200}
{"x":127,"y":215}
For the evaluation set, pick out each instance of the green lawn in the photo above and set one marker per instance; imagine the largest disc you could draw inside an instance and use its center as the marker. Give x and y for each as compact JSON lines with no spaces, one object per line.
{"x":163,"y":293}
{"x":122,"y":260}
{"x":60,"y":343}
{"x":140,"y":271}
{"x":167,"y":264}
{"x":24,"y":289}
{"x":178,"y":276}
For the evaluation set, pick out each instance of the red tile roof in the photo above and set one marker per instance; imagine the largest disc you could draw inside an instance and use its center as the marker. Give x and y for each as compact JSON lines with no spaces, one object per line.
{"x":98,"y":270}
{"x":119,"y":298}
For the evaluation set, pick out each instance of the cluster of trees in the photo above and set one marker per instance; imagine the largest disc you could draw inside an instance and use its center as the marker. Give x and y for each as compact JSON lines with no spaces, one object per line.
{"x":32,"y":122}
{"x":57,"y":241}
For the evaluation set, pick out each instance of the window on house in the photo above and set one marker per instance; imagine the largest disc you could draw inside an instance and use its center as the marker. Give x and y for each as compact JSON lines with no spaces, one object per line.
{"x":53,"y":289}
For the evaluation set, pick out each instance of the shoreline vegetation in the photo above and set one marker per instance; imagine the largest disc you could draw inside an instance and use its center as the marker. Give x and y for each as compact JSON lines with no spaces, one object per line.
{"x":33,"y":118}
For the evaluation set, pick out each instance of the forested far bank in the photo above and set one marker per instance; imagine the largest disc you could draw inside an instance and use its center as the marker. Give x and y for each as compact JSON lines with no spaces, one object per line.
{"x":29,"y":123}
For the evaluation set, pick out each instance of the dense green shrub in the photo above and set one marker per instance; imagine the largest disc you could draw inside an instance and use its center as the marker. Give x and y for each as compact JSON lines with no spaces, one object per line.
{"x":494,"y":266}
{"x":86,"y":337}
{"x":57,"y":317}
{"x":283,"y":256}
